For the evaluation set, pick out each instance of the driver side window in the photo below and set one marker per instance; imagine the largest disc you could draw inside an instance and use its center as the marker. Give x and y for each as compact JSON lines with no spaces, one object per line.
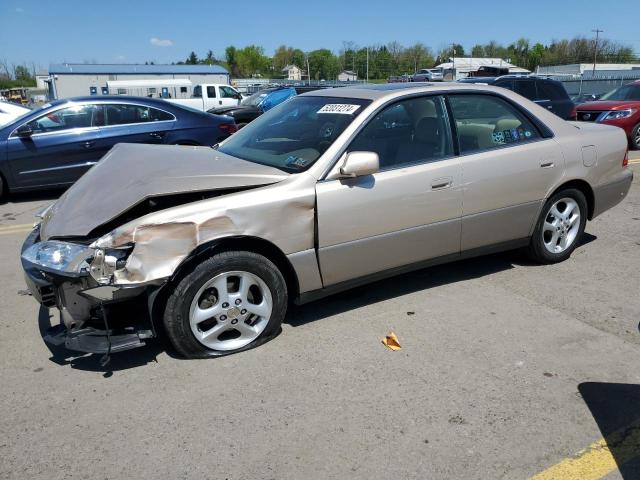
{"x":76,"y":116}
{"x":407,"y":132}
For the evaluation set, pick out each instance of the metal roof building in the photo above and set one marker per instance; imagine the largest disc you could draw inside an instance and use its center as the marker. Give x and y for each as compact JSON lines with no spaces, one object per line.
{"x":74,"y":79}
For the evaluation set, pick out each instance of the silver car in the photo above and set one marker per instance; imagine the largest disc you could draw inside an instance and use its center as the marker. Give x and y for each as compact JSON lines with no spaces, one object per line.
{"x":329,"y":190}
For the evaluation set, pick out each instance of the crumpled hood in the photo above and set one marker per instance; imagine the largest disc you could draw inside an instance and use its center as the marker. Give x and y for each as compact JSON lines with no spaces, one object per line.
{"x":130,"y":173}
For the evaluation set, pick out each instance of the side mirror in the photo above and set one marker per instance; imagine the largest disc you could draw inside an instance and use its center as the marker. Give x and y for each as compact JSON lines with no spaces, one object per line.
{"x":358,"y":164}
{"x":24,"y":131}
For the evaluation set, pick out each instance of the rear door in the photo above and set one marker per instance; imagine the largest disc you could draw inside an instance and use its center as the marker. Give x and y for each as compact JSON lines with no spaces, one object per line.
{"x":131,"y":123}
{"x":407,"y":212}
{"x":64,"y":145}
{"x":508,"y":166}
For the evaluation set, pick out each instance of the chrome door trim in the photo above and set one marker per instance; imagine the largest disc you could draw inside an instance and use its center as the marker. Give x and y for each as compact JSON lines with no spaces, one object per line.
{"x":63,"y":167}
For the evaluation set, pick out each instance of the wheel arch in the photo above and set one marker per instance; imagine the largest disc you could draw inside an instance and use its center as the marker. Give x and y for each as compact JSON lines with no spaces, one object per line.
{"x":247,"y":243}
{"x":586,"y":190}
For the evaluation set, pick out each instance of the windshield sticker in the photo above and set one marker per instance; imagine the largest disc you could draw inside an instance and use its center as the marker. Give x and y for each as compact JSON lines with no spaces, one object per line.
{"x":293,"y":161}
{"x":342,"y":108}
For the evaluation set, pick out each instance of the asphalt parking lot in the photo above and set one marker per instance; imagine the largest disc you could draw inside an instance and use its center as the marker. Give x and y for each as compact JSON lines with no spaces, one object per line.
{"x":507,"y":370}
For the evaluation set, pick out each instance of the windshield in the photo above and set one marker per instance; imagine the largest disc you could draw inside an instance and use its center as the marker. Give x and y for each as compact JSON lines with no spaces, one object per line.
{"x":255,"y":99}
{"x":626,"y":92}
{"x":293,"y":135}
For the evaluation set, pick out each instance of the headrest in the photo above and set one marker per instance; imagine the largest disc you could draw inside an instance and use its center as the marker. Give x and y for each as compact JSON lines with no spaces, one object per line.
{"x":427,"y":130}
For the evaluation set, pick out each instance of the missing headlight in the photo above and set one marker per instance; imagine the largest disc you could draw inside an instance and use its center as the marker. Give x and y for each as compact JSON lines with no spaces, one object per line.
{"x":106,"y":261}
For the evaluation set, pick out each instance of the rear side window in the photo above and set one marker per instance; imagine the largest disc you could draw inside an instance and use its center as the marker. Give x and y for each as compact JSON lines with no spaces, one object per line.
{"x":211,"y":92}
{"x":552,"y":91}
{"x":484,"y":122}
{"x":526,"y":88}
{"x":411,"y":131}
{"x":125,"y":114}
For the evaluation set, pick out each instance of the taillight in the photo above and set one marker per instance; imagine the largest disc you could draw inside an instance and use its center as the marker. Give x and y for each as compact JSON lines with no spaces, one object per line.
{"x":228,"y":128}
{"x":625,"y":161}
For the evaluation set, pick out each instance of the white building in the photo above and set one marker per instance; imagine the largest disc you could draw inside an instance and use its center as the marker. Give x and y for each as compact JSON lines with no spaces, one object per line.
{"x":72,"y":80}
{"x":292,"y":72}
{"x":347,"y":76}
{"x":466,"y":65}
{"x":578,"y":69}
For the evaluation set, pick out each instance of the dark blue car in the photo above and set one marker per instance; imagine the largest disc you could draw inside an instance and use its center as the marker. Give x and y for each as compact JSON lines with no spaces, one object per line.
{"x":54,"y":145}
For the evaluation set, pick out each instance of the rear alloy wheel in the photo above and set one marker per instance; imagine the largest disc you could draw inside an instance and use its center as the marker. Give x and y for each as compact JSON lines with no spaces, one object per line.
{"x":559,"y":227}
{"x":231,"y":302}
{"x":635,"y":137}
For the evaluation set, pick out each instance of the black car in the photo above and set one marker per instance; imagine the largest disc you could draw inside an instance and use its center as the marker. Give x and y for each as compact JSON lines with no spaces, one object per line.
{"x":547,"y":93}
{"x":54,"y":145}
{"x":252,"y":107}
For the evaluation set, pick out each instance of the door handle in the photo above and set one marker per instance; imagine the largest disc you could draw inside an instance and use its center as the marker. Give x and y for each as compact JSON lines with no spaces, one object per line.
{"x":441,"y":183}
{"x":88,"y":144}
{"x":547,"y":164}
{"x":156,"y":135}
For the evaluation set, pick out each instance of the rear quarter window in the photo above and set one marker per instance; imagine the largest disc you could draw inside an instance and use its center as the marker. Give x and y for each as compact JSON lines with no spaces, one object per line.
{"x":552,"y":91}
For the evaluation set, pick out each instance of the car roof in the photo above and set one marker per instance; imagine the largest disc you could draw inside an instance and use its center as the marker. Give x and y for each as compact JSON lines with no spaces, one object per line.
{"x":380,"y":91}
{"x":111,"y":99}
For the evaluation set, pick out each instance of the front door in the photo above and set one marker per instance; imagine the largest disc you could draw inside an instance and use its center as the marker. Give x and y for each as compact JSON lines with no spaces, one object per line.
{"x":407,"y":212}
{"x":508,"y":168}
{"x":64,"y":145}
{"x":228,"y":96}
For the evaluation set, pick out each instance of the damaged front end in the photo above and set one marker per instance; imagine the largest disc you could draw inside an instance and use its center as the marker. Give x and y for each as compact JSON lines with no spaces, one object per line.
{"x":95,"y":315}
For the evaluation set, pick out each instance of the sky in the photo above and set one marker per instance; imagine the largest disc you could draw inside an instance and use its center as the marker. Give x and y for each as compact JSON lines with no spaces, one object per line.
{"x":40,"y":32}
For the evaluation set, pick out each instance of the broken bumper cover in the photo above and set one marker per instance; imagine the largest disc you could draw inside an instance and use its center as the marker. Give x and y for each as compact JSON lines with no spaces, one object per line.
{"x":83,"y":303}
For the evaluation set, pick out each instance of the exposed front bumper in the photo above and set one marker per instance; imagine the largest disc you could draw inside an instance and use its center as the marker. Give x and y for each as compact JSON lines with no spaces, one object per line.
{"x":610,"y":194}
{"x":83,"y":305}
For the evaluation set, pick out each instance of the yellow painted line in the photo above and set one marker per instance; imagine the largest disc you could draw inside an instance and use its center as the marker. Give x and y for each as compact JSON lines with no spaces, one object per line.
{"x":599,"y":459}
{"x":20,"y":228}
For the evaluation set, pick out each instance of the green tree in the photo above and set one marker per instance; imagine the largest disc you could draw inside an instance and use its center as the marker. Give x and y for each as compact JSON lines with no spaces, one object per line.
{"x":192,"y":59}
{"x":324,"y":65}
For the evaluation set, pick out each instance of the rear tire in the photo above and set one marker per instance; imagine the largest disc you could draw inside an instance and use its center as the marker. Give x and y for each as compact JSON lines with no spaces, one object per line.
{"x":560,"y":227}
{"x":231,"y":302}
{"x":3,"y":189}
{"x":635,"y":137}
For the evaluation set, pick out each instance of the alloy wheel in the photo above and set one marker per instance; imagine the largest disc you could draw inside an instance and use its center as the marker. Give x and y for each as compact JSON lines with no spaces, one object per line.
{"x":561,"y":225}
{"x":230,"y":310}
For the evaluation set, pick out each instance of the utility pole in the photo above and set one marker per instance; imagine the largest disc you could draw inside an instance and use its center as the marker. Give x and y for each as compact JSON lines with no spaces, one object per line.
{"x":308,"y":70}
{"x":453,"y":47}
{"x":367,"y":64}
{"x":595,"y":50}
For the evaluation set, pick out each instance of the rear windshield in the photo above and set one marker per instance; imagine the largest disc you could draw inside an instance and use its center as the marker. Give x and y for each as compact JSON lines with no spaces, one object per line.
{"x":293,"y":135}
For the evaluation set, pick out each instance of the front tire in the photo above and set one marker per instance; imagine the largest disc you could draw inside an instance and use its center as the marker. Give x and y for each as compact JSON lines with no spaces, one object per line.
{"x":635,"y":137}
{"x":231,"y":302}
{"x":560,"y":227}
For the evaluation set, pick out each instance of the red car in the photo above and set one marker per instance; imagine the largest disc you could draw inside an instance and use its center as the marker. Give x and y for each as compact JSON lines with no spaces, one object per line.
{"x":620,"y":107}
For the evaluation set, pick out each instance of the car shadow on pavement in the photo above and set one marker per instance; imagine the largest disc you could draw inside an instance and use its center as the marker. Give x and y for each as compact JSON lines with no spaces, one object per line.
{"x":404,"y":284}
{"x":411,"y":282}
{"x":616,"y":409}
{"x":137,"y":357}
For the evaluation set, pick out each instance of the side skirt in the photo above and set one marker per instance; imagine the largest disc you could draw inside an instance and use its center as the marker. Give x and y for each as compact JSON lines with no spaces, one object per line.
{"x":313,"y":295}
